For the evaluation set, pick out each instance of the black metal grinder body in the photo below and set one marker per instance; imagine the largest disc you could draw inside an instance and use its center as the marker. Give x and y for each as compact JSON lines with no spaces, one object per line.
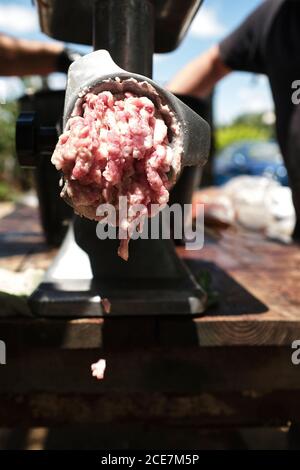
{"x":154,"y":281}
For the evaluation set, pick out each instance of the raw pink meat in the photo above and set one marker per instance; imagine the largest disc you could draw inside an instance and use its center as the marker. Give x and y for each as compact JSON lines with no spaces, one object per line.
{"x":106,"y":305}
{"x":118,"y":146}
{"x":98,"y":369}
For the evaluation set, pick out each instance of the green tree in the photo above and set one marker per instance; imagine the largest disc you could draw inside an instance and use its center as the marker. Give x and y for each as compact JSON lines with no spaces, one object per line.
{"x":9,"y":170}
{"x":244,"y":127}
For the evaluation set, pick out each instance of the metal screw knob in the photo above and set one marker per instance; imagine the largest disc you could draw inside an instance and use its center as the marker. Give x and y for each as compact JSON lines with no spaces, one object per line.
{"x":32,"y":140}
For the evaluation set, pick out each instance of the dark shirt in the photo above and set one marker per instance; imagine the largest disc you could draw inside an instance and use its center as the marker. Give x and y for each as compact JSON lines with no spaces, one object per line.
{"x":268,"y":42}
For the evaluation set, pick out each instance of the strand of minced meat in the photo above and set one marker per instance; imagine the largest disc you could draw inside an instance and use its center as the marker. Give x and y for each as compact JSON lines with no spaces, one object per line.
{"x":98,"y":369}
{"x":118,"y":146}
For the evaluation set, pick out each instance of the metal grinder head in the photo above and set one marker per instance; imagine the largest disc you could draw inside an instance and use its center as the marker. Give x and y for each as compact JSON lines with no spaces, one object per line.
{"x":96,"y":72}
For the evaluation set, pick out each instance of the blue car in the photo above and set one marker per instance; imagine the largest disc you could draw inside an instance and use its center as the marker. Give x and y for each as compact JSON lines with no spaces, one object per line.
{"x":258,"y":158}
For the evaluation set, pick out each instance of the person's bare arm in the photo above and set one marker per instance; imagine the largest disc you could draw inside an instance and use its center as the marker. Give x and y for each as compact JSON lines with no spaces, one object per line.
{"x":22,"y":57}
{"x":199,"y":76}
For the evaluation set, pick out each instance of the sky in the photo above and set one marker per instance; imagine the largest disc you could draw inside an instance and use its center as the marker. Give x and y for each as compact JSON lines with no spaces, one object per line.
{"x":236,"y":94}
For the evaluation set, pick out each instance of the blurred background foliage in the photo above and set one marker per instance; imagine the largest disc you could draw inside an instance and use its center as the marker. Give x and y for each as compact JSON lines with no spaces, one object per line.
{"x":10,"y":181}
{"x":245,"y":127}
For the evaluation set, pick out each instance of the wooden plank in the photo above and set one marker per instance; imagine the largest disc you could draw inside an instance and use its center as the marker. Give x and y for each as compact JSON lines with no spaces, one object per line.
{"x":253,"y":310}
{"x":219,"y":386}
{"x":172,"y":332}
{"x":185,"y":370}
{"x":231,"y":366}
{"x":257,"y":281}
{"x":86,"y":333}
{"x":200,"y":410}
{"x":6,"y":208}
{"x":22,"y":243}
{"x":231,"y":331}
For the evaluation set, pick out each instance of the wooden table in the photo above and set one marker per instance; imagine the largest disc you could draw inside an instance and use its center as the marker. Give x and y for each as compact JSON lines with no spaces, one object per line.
{"x":230,"y":367}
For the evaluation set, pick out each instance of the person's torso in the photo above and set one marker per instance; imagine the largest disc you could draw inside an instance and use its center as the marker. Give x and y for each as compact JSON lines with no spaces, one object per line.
{"x":281,"y":53}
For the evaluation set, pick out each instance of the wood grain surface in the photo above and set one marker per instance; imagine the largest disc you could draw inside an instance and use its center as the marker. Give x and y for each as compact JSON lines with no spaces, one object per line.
{"x":257,"y":281}
{"x":231,"y":366}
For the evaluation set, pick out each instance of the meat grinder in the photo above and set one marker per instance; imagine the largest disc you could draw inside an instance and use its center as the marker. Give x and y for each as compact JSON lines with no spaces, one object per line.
{"x":154,"y":281}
